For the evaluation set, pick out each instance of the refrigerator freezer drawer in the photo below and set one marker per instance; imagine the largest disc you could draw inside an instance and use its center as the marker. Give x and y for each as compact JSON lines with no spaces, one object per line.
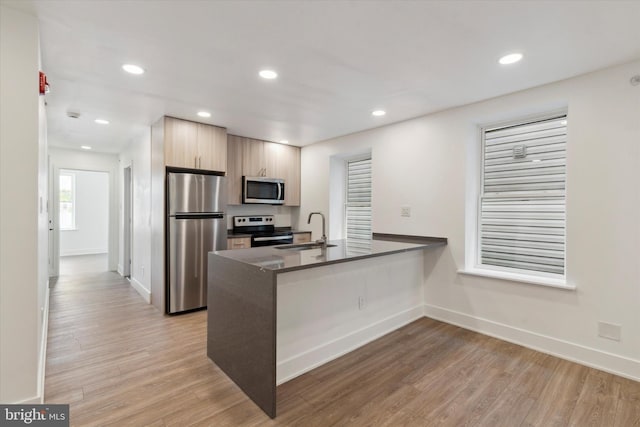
{"x":190,"y":241}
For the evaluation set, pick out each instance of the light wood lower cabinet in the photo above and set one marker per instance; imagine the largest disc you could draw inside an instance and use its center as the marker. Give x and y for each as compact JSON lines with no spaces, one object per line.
{"x":301,"y":237}
{"x":238,"y":242}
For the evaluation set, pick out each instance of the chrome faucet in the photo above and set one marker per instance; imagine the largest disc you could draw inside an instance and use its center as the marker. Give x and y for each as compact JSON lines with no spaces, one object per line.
{"x":323,"y":239}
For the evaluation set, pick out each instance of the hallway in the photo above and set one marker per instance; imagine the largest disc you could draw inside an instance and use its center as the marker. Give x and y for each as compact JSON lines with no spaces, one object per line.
{"x":117,"y":360}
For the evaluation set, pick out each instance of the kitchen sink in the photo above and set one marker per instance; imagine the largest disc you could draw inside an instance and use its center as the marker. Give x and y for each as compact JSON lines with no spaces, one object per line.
{"x":303,"y":246}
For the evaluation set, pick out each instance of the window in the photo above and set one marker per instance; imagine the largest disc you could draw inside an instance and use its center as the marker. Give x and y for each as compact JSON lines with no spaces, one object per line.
{"x":521,"y":226}
{"x":358,"y":201}
{"x":67,"y":201}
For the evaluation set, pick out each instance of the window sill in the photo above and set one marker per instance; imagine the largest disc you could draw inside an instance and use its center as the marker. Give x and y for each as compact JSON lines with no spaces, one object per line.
{"x":514,"y":277}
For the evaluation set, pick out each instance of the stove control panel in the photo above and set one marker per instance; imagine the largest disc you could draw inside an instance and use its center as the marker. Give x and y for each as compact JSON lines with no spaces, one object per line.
{"x":253,"y":221}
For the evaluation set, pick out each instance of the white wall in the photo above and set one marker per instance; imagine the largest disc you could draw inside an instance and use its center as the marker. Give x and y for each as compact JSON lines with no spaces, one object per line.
{"x":320,"y":319}
{"x":91,"y":235}
{"x":137,"y":155}
{"x":23,"y":216}
{"x":430,"y":163}
{"x":88,"y":161}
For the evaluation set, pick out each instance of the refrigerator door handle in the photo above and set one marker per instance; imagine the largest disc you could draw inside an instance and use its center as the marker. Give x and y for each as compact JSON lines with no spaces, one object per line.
{"x":198,"y":215}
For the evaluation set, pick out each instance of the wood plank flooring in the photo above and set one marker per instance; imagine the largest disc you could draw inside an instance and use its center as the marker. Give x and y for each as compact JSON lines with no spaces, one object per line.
{"x":119,"y":362}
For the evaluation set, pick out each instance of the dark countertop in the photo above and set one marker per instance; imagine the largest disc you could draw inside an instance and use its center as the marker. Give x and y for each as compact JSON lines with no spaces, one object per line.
{"x":283,"y":260}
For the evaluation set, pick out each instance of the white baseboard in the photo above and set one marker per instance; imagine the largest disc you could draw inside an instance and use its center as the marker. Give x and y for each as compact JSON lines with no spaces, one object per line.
{"x":94,"y":251}
{"x":120,"y":270}
{"x":36,"y":400}
{"x":594,"y":358}
{"x":144,"y":292}
{"x":42,"y":362}
{"x":299,"y":364}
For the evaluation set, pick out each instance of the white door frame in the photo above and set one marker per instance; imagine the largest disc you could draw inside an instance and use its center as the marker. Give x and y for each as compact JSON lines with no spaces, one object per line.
{"x":55,"y":198}
{"x":52,"y":212}
{"x":127,"y":219}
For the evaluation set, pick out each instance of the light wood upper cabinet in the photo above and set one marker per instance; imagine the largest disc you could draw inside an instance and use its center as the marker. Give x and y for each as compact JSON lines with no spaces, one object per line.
{"x":253,"y":157}
{"x":194,"y":145}
{"x":180,"y":146}
{"x":283,"y":161}
{"x":212,"y":148}
{"x":234,"y":169}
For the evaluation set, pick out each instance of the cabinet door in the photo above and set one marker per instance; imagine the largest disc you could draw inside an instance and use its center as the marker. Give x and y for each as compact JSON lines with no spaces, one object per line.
{"x":180,"y":147}
{"x":253,"y":157}
{"x":238,"y":242}
{"x":301,"y":237}
{"x":283,"y":161}
{"x":212,"y":148}
{"x":234,"y":169}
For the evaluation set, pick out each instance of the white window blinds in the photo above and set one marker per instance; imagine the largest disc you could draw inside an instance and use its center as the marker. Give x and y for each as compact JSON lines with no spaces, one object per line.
{"x":522,"y":205}
{"x":358,"y":201}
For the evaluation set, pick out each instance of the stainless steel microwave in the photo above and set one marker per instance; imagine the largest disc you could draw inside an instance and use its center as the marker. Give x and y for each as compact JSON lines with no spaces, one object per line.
{"x":268,"y":191}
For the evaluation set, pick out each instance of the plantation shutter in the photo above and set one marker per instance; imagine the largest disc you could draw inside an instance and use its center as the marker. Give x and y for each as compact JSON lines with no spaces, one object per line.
{"x":358,"y":201}
{"x":522,"y":221}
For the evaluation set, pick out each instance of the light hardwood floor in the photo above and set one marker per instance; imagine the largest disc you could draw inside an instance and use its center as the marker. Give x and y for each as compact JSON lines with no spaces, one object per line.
{"x":119,"y":362}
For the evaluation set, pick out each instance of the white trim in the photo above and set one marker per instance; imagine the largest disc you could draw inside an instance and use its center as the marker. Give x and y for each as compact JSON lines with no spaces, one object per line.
{"x":517,"y":277}
{"x":43,"y":347}
{"x":119,"y":270}
{"x":299,"y":364}
{"x":144,"y":292}
{"x":594,"y":358}
{"x":36,"y":400}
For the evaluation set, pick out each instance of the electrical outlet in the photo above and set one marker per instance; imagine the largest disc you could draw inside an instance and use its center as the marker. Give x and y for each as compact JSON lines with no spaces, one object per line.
{"x":609,"y":331}
{"x":362,"y":302}
{"x":405,"y":211}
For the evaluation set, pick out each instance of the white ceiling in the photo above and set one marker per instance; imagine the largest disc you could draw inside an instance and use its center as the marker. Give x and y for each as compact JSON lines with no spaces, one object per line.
{"x":337,"y":60}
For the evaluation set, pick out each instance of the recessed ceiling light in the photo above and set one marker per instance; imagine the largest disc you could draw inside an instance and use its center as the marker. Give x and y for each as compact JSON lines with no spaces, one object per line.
{"x":378,"y":113}
{"x":284,"y":141}
{"x":85,"y":147}
{"x":133,"y":69}
{"x":101,"y":121}
{"x":512,"y":58}
{"x":204,"y":114}
{"x":268,"y":74}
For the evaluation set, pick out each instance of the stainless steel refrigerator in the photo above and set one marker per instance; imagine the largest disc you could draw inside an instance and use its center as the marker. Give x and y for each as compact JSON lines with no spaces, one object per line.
{"x":197,"y":224}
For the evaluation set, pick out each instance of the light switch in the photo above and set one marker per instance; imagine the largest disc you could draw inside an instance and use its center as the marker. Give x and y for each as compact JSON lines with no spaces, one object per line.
{"x":405,"y":211}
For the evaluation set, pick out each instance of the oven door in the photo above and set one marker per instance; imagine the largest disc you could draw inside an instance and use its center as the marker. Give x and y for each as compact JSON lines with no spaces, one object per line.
{"x":271,"y":240}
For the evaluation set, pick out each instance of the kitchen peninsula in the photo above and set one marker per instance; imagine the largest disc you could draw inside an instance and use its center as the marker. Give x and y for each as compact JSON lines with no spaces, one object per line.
{"x":276,"y":312}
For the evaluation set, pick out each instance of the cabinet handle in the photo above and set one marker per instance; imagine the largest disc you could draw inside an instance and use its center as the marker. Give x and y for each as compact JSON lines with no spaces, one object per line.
{"x":195,"y":162}
{"x":200,"y":162}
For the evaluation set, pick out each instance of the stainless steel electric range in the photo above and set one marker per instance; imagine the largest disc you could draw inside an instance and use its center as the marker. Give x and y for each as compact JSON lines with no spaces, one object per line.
{"x":262,"y":230}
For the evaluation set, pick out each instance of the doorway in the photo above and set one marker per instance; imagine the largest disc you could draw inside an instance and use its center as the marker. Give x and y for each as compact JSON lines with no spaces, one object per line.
{"x":81,"y":202}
